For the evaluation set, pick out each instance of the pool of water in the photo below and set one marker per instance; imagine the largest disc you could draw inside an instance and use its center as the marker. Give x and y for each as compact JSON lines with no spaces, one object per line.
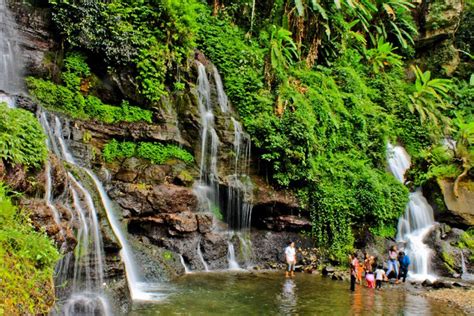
{"x":273,"y":294}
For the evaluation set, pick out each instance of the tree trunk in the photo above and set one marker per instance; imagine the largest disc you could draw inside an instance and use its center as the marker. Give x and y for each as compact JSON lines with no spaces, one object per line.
{"x":215,"y":7}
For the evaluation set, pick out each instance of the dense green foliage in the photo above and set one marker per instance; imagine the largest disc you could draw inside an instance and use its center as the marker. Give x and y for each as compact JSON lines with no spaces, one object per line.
{"x":27,"y":260}
{"x":153,"y":38}
{"x":22,"y":140}
{"x":71,"y":97}
{"x":155,"y":152}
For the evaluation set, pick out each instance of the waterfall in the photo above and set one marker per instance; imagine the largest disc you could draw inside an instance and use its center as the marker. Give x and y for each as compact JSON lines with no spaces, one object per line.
{"x":239,"y":209}
{"x":186,"y":269}
{"x":236,"y":205}
{"x":221,"y":95}
{"x":86,"y":294}
{"x":139,"y":289}
{"x":207,"y":188}
{"x":10,"y":63}
{"x":233,"y":264}
{"x":199,"y":253}
{"x":465,"y":274}
{"x":418,"y":220}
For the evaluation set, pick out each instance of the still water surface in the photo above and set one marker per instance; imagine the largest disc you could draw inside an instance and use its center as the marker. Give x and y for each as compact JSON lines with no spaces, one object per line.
{"x":272,"y":294}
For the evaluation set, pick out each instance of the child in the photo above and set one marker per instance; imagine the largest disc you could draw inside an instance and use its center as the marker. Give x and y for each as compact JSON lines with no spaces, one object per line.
{"x":379,"y":277}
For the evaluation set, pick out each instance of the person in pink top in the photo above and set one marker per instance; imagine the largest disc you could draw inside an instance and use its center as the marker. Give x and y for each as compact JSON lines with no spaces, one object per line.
{"x":393,"y":261}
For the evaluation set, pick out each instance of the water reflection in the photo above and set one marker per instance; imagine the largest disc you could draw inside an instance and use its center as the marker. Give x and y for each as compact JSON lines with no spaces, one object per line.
{"x":288,"y":299}
{"x":271,"y":294}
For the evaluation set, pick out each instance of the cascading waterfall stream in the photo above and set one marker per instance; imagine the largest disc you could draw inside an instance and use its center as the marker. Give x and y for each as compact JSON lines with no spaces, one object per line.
{"x":87,"y":216}
{"x":10,"y":61}
{"x":418,"y":220}
{"x":239,"y":191}
{"x":199,"y":252}
{"x":185,"y":266}
{"x":465,"y":274}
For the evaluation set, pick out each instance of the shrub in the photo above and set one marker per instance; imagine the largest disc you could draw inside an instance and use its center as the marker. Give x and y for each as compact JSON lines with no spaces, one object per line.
{"x":73,"y":103}
{"x":27,"y":260}
{"x":22,"y":140}
{"x":155,"y":152}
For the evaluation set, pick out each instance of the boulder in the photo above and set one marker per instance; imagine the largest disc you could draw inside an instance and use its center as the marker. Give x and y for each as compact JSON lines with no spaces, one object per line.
{"x":327,"y":270}
{"x":184,"y":222}
{"x":131,"y":197}
{"x":442,"y":18}
{"x":170,"y":198}
{"x":134,"y":131}
{"x":461,"y":210}
{"x":427,"y":283}
{"x":204,"y":222}
{"x":214,"y":246}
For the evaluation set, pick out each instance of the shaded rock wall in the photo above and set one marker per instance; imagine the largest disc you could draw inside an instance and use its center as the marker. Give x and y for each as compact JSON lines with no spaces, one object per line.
{"x":460,"y":209}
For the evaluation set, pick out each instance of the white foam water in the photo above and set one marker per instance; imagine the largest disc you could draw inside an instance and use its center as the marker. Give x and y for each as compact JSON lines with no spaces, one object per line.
{"x":417,"y":221}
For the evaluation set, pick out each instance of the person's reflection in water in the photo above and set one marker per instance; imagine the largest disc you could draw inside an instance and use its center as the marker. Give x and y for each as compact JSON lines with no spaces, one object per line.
{"x":357,"y":306}
{"x":288,"y":299}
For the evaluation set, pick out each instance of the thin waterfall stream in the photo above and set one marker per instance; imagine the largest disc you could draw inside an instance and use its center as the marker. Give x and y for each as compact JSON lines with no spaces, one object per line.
{"x":139,"y":290}
{"x":236,"y":206}
{"x":418,"y":220}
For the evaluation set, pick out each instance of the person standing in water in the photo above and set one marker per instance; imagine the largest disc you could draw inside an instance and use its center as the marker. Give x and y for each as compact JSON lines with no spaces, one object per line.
{"x":290,"y":257}
{"x":393,"y":262}
{"x":379,"y":277}
{"x":369,"y":272}
{"x":404,"y":261}
{"x":354,"y":264}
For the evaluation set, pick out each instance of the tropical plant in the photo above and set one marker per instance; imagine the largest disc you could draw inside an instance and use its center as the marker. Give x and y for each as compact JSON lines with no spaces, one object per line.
{"x":382,"y":56}
{"x":22,"y":139}
{"x":430,"y":97}
{"x":282,"y":49}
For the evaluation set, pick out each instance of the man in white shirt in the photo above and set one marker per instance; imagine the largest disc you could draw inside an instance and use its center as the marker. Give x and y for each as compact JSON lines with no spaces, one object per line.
{"x":290,"y":256}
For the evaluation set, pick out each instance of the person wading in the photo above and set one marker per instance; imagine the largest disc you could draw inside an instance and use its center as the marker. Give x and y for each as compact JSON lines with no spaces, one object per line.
{"x":290,"y":256}
{"x":354,"y":264}
{"x":404,"y":263}
{"x":393,"y":262}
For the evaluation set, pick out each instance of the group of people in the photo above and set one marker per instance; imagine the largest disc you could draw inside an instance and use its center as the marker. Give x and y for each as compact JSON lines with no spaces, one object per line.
{"x":397,"y":268}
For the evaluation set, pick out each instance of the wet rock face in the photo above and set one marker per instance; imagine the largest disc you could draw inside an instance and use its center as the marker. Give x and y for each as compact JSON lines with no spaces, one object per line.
{"x":448,"y":244}
{"x":42,"y":218}
{"x":134,"y":131}
{"x":460,"y":209}
{"x":270,"y":246}
{"x":36,"y":37}
{"x":287,"y":223}
{"x":439,"y":21}
{"x":143,"y":200}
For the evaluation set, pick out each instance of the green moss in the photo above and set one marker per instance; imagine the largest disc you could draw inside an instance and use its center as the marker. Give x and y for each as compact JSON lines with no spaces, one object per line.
{"x":185,"y":176}
{"x":167,"y":255}
{"x":157,"y":153}
{"x":467,"y":241}
{"x":216,"y":211}
{"x":448,"y":259}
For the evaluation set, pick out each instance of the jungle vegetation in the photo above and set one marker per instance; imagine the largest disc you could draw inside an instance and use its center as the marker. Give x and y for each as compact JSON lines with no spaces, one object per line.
{"x":320,"y":85}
